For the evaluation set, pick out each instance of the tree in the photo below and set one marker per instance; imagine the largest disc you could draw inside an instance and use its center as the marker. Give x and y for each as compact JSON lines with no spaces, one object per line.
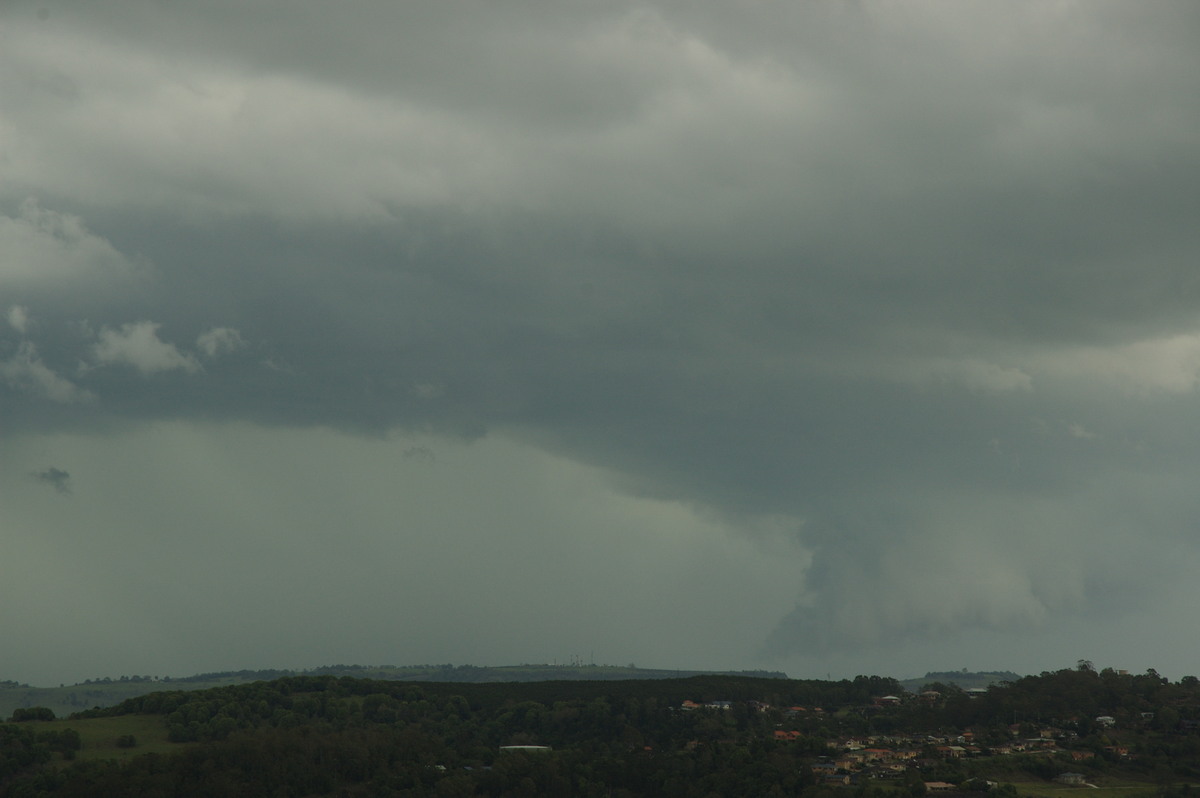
{"x":914,"y":784}
{"x":22,"y":714}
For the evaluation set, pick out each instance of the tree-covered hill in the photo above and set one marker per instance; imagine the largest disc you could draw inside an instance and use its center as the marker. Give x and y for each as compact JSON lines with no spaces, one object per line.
{"x":700,"y":736}
{"x":107,"y":691}
{"x":964,"y":679}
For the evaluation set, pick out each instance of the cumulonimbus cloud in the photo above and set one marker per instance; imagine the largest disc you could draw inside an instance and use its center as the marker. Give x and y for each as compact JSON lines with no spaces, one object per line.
{"x":791,"y":261}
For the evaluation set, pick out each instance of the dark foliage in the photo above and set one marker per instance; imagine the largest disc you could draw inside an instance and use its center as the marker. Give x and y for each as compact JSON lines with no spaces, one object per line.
{"x":318,"y":735}
{"x":22,"y":714}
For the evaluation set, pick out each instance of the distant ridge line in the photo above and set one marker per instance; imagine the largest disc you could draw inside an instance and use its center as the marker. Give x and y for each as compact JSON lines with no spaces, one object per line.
{"x":107,"y":691}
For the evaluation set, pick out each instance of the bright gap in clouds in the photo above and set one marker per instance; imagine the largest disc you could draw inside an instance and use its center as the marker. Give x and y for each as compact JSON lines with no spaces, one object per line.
{"x":189,"y":547}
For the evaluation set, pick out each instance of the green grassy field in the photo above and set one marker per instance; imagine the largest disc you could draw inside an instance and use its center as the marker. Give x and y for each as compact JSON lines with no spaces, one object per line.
{"x":1043,"y":790}
{"x":99,"y":735}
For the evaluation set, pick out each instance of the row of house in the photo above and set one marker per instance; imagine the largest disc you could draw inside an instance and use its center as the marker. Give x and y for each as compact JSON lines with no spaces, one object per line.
{"x":894,"y":754}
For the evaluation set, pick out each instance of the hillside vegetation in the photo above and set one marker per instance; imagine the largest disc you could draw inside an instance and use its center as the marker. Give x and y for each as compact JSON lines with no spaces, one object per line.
{"x":106,"y":692}
{"x":1125,"y":735}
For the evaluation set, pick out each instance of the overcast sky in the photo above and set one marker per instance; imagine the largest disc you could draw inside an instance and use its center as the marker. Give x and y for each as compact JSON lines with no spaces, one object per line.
{"x":832,"y":338}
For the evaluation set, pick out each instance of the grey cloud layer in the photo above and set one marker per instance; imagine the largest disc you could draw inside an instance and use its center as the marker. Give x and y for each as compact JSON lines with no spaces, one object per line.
{"x":919,"y":279}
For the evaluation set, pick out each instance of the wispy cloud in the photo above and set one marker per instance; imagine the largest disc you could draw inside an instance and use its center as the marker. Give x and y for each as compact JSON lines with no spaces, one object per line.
{"x":25,"y":371}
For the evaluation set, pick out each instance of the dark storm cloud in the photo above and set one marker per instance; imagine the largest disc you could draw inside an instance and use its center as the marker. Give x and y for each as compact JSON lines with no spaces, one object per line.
{"x":420,"y":454}
{"x":57,"y":478}
{"x":919,"y":279}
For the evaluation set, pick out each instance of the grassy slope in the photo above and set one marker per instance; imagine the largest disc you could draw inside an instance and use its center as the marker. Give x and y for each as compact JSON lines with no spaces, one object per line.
{"x":1041,"y":789}
{"x":99,"y":735}
{"x":76,"y":698}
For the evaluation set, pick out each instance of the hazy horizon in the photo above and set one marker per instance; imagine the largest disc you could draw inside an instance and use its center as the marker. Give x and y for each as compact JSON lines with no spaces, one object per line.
{"x":154,"y":678}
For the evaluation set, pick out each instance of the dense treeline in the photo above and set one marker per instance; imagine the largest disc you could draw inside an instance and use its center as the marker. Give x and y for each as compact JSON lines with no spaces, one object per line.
{"x":1073,"y":698}
{"x":21,"y":748}
{"x":108,"y":691}
{"x":214,"y":713}
{"x":326,"y":735}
